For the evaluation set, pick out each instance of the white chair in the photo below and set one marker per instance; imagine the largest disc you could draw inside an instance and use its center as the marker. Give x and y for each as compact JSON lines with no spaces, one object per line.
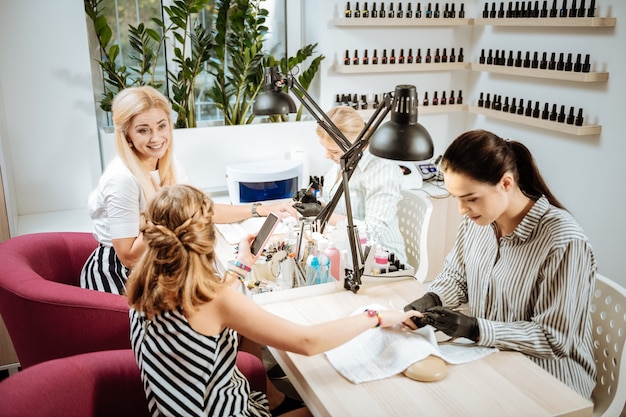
{"x":414,"y":211}
{"x":608,"y":313}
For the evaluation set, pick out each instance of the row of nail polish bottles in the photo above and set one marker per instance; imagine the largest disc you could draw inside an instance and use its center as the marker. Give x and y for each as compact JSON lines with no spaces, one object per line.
{"x":438,"y":57}
{"x":403,"y":12}
{"x":443,"y":100}
{"x":529,"y":111}
{"x":528,"y":9}
{"x":552,"y":64}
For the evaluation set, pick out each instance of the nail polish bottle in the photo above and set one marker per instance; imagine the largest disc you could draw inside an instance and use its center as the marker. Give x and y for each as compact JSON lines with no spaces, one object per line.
{"x":392,"y":58}
{"x":529,"y":108}
{"x":409,"y":57}
{"x":544,"y":9}
{"x":481,"y":101}
{"x":443,"y":100}
{"x":505,"y":106}
{"x":357,"y":10}
{"x":520,"y":109}
{"x":376,"y":103}
{"x":452,"y":12}
{"x":374,"y":11}
{"x":518,"y":61}
{"x":501,"y":10}
{"x":581,"y":10}
{"x":513,"y":107}
{"x":509,"y":10}
{"x":510,"y":60}
{"x":586,"y":65}
{"x":591,"y":11}
{"x":570,"y":116}
{"x":563,"y":11}
{"x":459,"y":98}
{"x":365,"y":58}
{"x":436,"y":13}
{"x":355,"y":102}
{"x":427,"y":57}
{"x":382,"y":13}
{"x":418,"y":11}
{"x":561,"y":117}
{"x":401,"y":57}
{"x":553,"y":10}
{"x":384,"y":57}
{"x":573,"y":12}
{"x":543,"y":64}
{"x":425,"y":101}
{"x":536,"y":9}
{"x":579,"y":118}
{"x":446,"y":11}
{"x":451,"y":100}
{"x":409,"y":11}
{"x":375,"y":58}
{"x":545,"y":114}
{"x":488,"y":101}
{"x":481,"y":59}
{"x":346,"y":59}
{"x":535,"y":62}
{"x":527,"y":60}
{"x":568,"y":63}
{"x":560,"y":65}
{"x":493,"y":13}
{"x":486,"y":11}
{"x":496,"y":59}
{"x":523,"y":12}
{"x":444,"y":55}
{"x":437,"y":56}
{"x":452,"y":56}
{"x":553,"y":113}
{"x":461,"y":11}
{"x":418,"y":58}
{"x":355,"y":60}
{"x":390,"y":13}
{"x":429,"y":12}
{"x":517,"y":12}
{"x":490,"y":58}
{"x":435,"y":99}
{"x":552,"y":62}
{"x":363,"y":102}
{"x":400,"y":13}
{"x":578,"y":66}
{"x":497,"y":102}
{"x":365,"y":13}
{"x":348,"y":12}
{"x":502,"y":57}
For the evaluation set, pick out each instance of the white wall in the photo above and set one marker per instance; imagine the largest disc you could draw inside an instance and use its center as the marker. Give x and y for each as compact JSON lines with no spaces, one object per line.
{"x":49,"y":137}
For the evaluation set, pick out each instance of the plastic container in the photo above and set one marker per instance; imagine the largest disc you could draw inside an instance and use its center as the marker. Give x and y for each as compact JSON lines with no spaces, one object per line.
{"x":335,"y":260}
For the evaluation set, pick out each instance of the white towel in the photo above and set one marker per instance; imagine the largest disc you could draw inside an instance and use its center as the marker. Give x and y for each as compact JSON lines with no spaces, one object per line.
{"x":381,"y":353}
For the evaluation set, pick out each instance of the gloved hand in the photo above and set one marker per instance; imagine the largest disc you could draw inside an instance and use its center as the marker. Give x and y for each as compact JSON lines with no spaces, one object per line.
{"x":453,"y":323}
{"x":305,"y":195}
{"x":428,"y":300}
{"x":308,"y":209}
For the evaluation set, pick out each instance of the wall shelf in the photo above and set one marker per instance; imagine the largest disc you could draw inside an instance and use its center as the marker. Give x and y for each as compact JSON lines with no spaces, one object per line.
{"x":422,"y":110}
{"x":388,"y":68}
{"x":548,"y":21}
{"x":537,"y":122}
{"x":401,"y":22}
{"x":583,"y":77}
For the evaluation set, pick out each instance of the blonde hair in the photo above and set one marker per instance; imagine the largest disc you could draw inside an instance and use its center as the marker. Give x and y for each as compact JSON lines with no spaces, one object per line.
{"x":177,"y":270}
{"x":348,"y":120}
{"x":127,"y":104}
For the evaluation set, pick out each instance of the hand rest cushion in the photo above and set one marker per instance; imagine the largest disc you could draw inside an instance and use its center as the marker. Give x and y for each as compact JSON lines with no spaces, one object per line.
{"x":429,"y":369}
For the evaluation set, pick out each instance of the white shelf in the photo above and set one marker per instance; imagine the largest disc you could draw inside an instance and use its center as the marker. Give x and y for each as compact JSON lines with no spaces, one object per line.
{"x":538,"y":122}
{"x":583,"y":77}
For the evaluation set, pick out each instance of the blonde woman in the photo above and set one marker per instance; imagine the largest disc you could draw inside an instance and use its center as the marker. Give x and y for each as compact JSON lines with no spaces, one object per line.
{"x":144,"y":163}
{"x":186,"y":320}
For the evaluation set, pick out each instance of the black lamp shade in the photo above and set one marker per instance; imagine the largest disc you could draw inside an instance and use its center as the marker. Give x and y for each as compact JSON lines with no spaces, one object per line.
{"x":403,"y":138}
{"x":273,"y":100}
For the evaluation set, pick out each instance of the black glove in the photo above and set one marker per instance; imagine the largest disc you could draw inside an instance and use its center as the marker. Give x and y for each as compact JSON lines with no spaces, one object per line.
{"x":308,"y":209}
{"x":428,"y":300}
{"x":453,"y":323}
{"x":305,"y":195}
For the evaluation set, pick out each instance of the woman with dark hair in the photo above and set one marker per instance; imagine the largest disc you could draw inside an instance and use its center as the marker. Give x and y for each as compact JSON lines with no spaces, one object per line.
{"x":520,"y":261}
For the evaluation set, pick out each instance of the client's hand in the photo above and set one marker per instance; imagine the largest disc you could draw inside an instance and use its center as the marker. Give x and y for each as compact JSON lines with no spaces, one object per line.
{"x":428,"y":300}
{"x":452,"y":323}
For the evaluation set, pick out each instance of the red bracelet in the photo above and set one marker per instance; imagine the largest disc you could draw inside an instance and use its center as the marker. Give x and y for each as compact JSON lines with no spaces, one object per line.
{"x":374,"y":313}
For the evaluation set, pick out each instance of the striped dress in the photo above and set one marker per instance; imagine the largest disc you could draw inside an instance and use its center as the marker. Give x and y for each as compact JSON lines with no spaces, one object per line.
{"x":531,"y":290}
{"x":186,"y":373}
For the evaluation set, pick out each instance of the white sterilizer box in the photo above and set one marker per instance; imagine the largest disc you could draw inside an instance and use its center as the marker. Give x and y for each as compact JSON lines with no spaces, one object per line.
{"x":262,"y":181}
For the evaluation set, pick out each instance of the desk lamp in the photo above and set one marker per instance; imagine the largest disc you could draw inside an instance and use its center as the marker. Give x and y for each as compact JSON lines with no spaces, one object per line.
{"x":402,"y":138}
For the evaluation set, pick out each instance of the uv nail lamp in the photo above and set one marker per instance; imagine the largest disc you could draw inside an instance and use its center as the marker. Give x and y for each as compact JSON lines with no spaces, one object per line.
{"x":263,"y":181}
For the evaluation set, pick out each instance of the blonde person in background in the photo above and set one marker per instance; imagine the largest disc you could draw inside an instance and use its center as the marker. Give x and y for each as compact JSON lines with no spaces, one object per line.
{"x":186,"y":319}
{"x":374,"y":185}
{"x":144,"y":163}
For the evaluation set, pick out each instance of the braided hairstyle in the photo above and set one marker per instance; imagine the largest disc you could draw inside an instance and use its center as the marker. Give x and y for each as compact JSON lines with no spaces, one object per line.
{"x":177,"y":270}
{"x":486,"y":157}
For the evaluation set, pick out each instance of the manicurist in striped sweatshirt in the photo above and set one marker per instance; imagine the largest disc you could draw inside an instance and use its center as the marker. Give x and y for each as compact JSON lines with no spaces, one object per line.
{"x":520,"y":261}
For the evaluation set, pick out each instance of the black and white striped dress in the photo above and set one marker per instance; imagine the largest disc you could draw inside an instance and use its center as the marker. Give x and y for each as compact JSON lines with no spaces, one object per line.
{"x":186,"y":373}
{"x":530,"y":290}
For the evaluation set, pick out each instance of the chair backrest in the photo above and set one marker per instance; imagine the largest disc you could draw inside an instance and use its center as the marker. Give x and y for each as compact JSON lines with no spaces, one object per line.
{"x":414,"y":212}
{"x":608,"y":314}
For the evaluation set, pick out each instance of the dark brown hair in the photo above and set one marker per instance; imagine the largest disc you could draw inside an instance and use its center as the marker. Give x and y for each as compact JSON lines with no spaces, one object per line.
{"x":486,"y":157}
